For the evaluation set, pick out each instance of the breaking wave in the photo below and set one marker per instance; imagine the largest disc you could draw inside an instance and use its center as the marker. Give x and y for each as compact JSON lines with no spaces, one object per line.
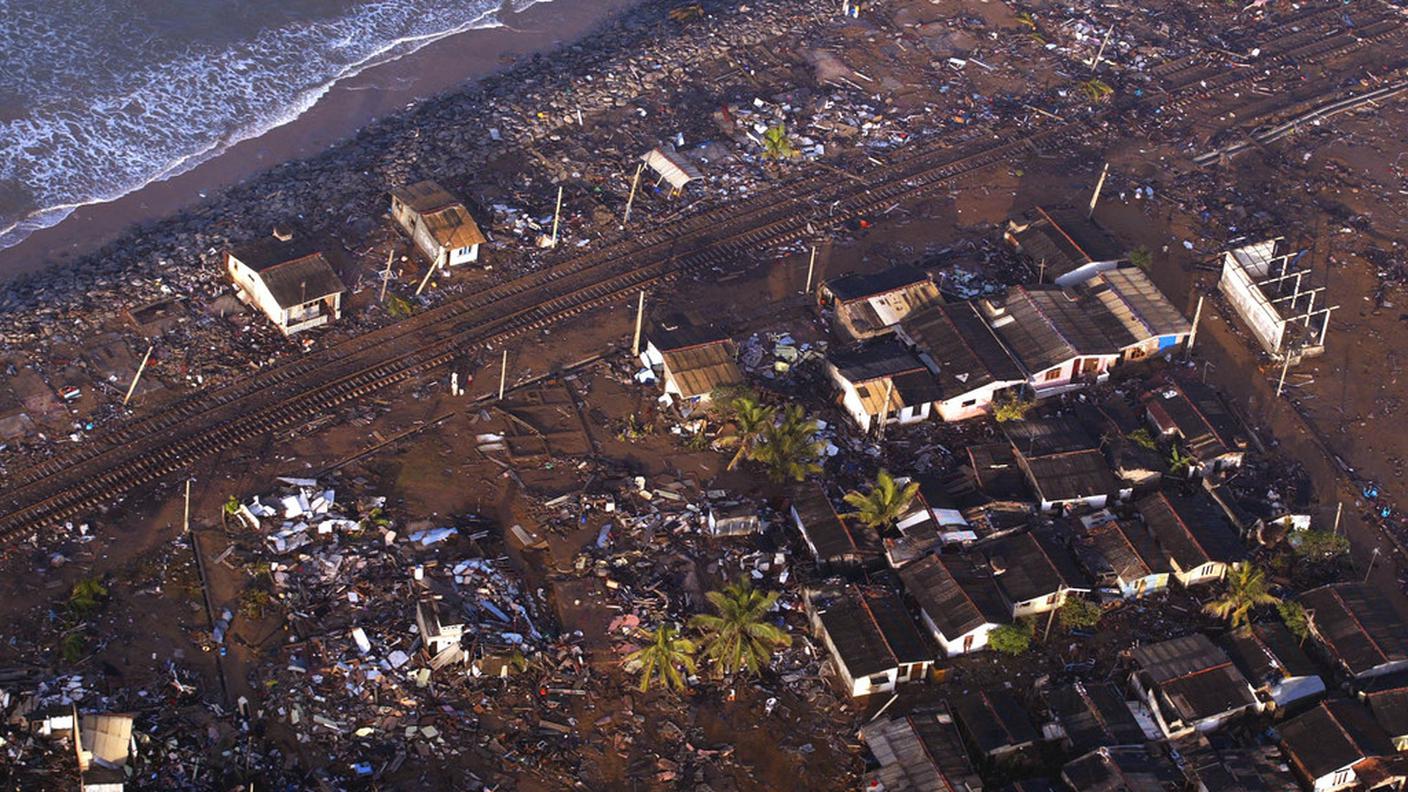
{"x":103,"y":97}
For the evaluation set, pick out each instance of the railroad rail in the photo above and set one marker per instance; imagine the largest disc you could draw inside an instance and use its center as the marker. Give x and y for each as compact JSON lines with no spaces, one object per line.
{"x":145,"y":450}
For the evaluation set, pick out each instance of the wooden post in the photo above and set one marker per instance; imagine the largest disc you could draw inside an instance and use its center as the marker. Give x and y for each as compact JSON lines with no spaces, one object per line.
{"x":386,"y":274}
{"x":1339,"y":510}
{"x":1193,"y":334}
{"x":1041,"y":272}
{"x":503,"y":375}
{"x":426,"y":279}
{"x":1372,"y":558}
{"x":186,"y":518}
{"x":1099,"y":185}
{"x":640,"y":318}
{"x":1095,"y":64}
{"x":133,"y":387}
{"x":811,"y":266}
{"x":1049,"y":619}
{"x":635,"y":182}
{"x":885,"y":407}
{"x":1282,"y":382}
{"x":556,"y":215}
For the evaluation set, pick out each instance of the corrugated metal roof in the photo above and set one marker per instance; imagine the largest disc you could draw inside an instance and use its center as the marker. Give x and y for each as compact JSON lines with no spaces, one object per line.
{"x":677,"y":170}
{"x":698,"y":370}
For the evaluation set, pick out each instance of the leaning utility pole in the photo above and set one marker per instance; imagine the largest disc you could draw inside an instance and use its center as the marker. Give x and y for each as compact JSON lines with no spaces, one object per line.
{"x":1193,"y":334}
{"x":635,"y":182}
{"x":133,"y":387}
{"x":811,"y":265}
{"x":386,"y":274}
{"x":640,"y":318}
{"x":1099,"y":185}
{"x":556,"y":215}
{"x":503,"y":375}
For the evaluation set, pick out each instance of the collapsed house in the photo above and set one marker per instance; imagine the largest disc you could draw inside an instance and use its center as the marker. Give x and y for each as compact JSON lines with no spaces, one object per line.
{"x":1052,"y":248}
{"x":1271,"y":659}
{"x":995,"y":723}
{"x":920,"y":751}
{"x":102,"y":744}
{"x":881,"y":383}
{"x":867,"y":306}
{"x":291,"y":280}
{"x":438,"y":223}
{"x":1129,"y":768}
{"x":1189,"y":684}
{"x":672,"y":167}
{"x":1092,"y":716}
{"x":1267,"y":286}
{"x":1195,"y":415}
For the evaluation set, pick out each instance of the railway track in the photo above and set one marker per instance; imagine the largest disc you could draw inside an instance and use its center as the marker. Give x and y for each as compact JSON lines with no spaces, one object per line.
{"x":144,"y":451}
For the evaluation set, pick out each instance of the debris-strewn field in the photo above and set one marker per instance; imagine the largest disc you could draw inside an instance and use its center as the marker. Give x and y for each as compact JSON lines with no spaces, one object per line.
{"x":497,"y":580}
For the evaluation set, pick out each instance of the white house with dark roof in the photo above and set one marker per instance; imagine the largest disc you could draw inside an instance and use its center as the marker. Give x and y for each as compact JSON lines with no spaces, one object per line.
{"x":1358,"y":627}
{"x":882,"y":382}
{"x":1059,"y":342}
{"x":970,"y":365}
{"x":291,"y":280}
{"x":692,"y":362}
{"x":438,"y":223}
{"x":1338,"y":745}
{"x":959,"y":601}
{"x":872,"y":639}
{"x":1189,"y":684}
{"x":1194,"y":535}
{"x":1148,"y":324}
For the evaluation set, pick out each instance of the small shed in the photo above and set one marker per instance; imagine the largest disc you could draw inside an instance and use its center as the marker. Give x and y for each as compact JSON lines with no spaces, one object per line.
{"x":733,"y":519}
{"x":291,"y":280}
{"x":437,"y":632}
{"x":872,"y":639}
{"x":438,"y":223}
{"x":692,"y":362}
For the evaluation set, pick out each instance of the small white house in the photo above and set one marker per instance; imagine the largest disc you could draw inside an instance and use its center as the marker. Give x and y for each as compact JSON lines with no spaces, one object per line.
{"x":882,"y":383}
{"x":871,"y":638}
{"x":435,"y":631}
{"x":1194,"y":535}
{"x":1338,"y":746}
{"x":1123,"y":556}
{"x":972,"y":367}
{"x":959,"y":602}
{"x":439,"y":224}
{"x":691,"y":363}
{"x":290,"y":280}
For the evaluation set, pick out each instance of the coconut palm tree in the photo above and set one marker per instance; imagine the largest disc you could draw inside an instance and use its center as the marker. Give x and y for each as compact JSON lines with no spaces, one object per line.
{"x":668,"y":658}
{"x":1179,"y":463}
{"x":1246,"y":590}
{"x":739,"y":638}
{"x":790,"y":450}
{"x":885,"y":503}
{"x":753,"y":420}
{"x":776,"y":144}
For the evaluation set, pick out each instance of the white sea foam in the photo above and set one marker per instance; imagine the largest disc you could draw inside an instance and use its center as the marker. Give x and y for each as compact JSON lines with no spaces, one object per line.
{"x":86,"y":128}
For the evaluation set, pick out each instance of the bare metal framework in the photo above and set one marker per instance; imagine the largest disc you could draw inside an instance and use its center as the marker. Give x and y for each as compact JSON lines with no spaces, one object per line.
{"x":1275,"y":295}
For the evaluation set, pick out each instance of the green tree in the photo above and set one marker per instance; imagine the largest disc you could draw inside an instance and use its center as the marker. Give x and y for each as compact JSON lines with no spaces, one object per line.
{"x":885,"y":503}
{"x":777,"y":145}
{"x":739,"y":638}
{"x":1179,"y":463}
{"x":1012,"y":409}
{"x":752,"y":421}
{"x":1142,"y":438}
{"x":1246,"y":590}
{"x":1010,"y":639}
{"x":228,"y":510}
{"x":668,"y":658}
{"x":73,"y":646}
{"x":1079,"y":614}
{"x":1318,"y":545}
{"x":790,"y":450}
{"x":1140,"y":257}
{"x":86,"y":596}
{"x":1293,"y":615}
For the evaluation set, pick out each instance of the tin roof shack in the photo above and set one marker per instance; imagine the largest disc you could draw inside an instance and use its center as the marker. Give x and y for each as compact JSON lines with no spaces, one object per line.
{"x":1387,"y":697}
{"x":438,"y":634}
{"x":958,"y":599}
{"x":1122,"y":556}
{"x":672,"y":167}
{"x":1269,"y":290}
{"x":1059,"y":250}
{"x":1071,"y":480}
{"x":869,"y":306}
{"x":1358,"y":628}
{"x":871,"y":638}
{"x":692,"y":362}
{"x":972,"y":367}
{"x":922,"y":751}
{"x":882,"y":382}
{"x":1059,"y":342}
{"x":1129,"y":447}
{"x":1147,"y":324}
{"x":837,"y":545}
{"x":1195,"y":415}
{"x":291,"y":280}
{"x":1093,"y":716}
{"x":733,"y":519}
{"x":1129,"y":768}
{"x":1338,"y":745}
{"x":102,"y":745}
{"x":438,"y":223}
{"x":1190,"y":685}
{"x":995,"y":723}
{"x":1194,"y":535}
{"x":930,"y":524}
{"x":1034,"y":575}
{"x":1271,"y":659}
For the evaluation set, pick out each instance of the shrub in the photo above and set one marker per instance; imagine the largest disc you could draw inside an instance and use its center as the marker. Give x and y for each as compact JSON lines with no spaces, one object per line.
{"x":1010,"y":639}
{"x":1319,"y":545}
{"x":1079,"y":614}
{"x":1293,"y":615}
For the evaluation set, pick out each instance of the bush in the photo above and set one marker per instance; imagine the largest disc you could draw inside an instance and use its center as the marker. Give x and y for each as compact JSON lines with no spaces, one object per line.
{"x":1318,"y":545}
{"x":1079,"y":614}
{"x":1013,"y":409}
{"x":1010,"y":639}
{"x":73,"y":646}
{"x":86,"y":596}
{"x":1140,"y":257}
{"x":1294,"y":616}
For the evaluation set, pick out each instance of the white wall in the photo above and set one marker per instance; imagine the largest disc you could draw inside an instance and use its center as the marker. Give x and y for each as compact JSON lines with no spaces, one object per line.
{"x":954,"y":647}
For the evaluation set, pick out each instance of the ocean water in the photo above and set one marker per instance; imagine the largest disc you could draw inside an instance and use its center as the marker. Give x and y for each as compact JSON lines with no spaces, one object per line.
{"x":101,"y":97}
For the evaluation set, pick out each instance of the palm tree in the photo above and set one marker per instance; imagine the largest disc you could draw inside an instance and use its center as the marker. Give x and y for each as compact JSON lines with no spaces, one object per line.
{"x":789,"y":450}
{"x":738,"y":638}
{"x":1179,"y":463}
{"x":886,"y":502}
{"x":230,"y":509}
{"x":776,"y":144}
{"x":1246,"y":589}
{"x":663,"y":658}
{"x":753,"y":420}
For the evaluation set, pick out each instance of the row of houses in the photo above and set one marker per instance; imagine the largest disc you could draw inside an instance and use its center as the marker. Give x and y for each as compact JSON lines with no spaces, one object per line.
{"x":923,"y":356}
{"x":1160,"y":730}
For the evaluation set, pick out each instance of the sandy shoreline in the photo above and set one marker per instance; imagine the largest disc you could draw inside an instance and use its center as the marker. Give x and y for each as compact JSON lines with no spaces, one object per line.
{"x":443,"y":66}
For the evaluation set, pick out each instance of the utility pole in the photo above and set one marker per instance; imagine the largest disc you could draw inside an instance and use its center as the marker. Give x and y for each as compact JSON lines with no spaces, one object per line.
{"x":1281,"y":384}
{"x":1193,"y":335}
{"x":1095,"y":64}
{"x":133,"y":387}
{"x":635,"y":182}
{"x":1339,"y":509}
{"x":1041,"y":272}
{"x":1099,"y":185}
{"x":885,"y":406}
{"x":640,"y":318}
{"x":556,"y":215}
{"x":1372,"y":558}
{"x":386,"y":274}
{"x":503,"y":375}
{"x":426,"y":279}
{"x":186,"y":518}
{"x":1049,"y":619}
{"x":811,"y":266}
